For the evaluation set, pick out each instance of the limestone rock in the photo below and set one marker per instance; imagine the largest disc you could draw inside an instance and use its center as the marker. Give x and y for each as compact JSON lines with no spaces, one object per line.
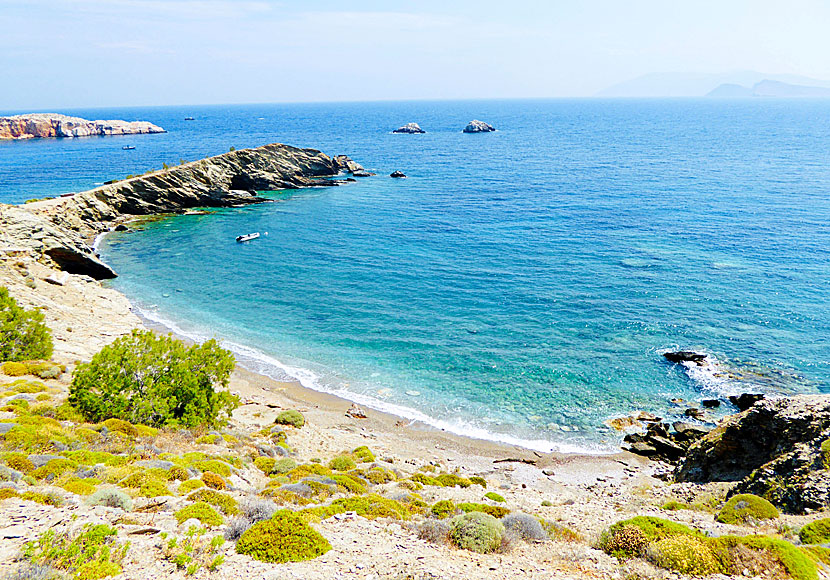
{"x":409,"y":128}
{"x":42,"y":125}
{"x":773,"y":449}
{"x":476,"y":126}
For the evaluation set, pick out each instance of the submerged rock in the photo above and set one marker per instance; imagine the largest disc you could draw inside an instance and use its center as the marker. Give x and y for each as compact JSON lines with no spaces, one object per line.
{"x":773,"y":449}
{"x":476,"y":126}
{"x":745,"y":400}
{"x":409,"y":128}
{"x":682,"y":356}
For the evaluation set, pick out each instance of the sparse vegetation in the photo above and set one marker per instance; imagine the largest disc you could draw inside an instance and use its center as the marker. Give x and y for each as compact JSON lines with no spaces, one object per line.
{"x":88,"y":555}
{"x":23,"y":335}
{"x":194,"y":551}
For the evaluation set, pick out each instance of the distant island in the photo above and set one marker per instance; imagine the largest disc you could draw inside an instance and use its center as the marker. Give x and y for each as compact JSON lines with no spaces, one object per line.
{"x":731,"y":84}
{"x":768,"y":88}
{"x":46,"y":125}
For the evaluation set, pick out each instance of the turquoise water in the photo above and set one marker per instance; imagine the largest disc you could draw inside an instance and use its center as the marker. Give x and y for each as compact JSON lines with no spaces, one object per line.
{"x":518,"y":285}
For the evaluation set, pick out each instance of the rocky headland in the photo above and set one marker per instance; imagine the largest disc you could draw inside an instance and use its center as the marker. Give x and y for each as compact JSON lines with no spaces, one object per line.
{"x":46,"y":125}
{"x":60,"y":230}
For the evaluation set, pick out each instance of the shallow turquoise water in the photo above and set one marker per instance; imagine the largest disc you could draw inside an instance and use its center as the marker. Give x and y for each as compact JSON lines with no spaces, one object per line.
{"x":518,"y":285}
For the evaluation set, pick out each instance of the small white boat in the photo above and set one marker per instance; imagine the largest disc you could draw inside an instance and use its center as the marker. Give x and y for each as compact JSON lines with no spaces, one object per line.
{"x":247,"y":237}
{"x":128,"y":147}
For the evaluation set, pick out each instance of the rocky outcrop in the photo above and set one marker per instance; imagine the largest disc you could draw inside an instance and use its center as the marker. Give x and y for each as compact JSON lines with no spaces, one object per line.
{"x":476,"y":126}
{"x":773,"y":449}
{"x":682,"y":356}
{"x":409,"y":128}
{"x":58,"y":230}
{"x":43,"y":125}
{"x":397,"y":174}
{"x":22,"y":231}
{"x":663,"y":441}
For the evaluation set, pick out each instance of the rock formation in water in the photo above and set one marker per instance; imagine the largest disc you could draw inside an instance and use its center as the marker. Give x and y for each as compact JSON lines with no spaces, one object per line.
{"x":40,"y":125}
{"x":58,"y":230}
{"x":476,"y":126}
{"x":779,"y":449}
{"x":409,"y":128}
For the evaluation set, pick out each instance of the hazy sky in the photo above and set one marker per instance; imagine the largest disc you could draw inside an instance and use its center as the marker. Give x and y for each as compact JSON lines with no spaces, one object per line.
{"x":77,"y":53}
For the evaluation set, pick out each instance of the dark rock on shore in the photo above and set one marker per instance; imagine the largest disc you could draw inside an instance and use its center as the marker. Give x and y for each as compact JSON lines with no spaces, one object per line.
{"x":779,"y":449}
{"x":410,"y":128}
{"x":397,"y":174}
{"x":710,"y":403}
{"x":745,"y":400}
{"x":476,"y":126}
{"x":682,"y":356}
{"x":658,"y":442}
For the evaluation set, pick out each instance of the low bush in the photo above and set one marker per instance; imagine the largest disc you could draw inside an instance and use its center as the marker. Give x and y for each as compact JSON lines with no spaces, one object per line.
{"x":51,"y":499}
{"x":290,"y":417}
{"x":493,"y":496}
{"x":817,"y":532}
{"x":746,"y":508}
{"x":825,"y":453}
{"x":363,"y":454}
{"x":257,"y":510}
{"x":213,"y":481}
{"x":283,"y":538}
{"x":777,"y":552}
{"x":236,"y":527}
{"x":684,"y":554}
{"x":189,"y":485}
{"x":23,"y":335}
{"x":14,"y":369}
{"x":475,"y":479}
{"x":194,"y":551}
{"x":496,"y":511}
{"x":342,"y":463}
{"x":525,"y":526}
{"x":200,"y":511}
{"x":477,"y":532}
{"x":379,"y":475}
{"x":93,"y":553}
{"x":434,"y":531}
{"x":223,"y":501}
{"x":20,"y":462}
{"x":111,"y":498}
{"x":155,"y":380}
{"x":443,"y":509}
{"x":453,"y":480}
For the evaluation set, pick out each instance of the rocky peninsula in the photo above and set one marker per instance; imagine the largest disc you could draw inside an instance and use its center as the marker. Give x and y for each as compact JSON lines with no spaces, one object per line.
{"x":61,"y":229}
{"x":387,"y":496}
{"x":46,"y":125}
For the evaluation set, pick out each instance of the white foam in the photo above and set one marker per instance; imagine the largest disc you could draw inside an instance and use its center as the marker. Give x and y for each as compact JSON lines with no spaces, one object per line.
{"x":97,"y":241}
{"x":261,"y":363}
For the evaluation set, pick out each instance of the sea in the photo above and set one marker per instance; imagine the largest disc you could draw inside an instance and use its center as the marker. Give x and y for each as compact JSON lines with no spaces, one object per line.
{"x":518,"y":286}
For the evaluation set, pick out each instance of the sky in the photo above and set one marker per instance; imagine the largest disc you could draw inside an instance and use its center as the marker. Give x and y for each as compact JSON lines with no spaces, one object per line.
{"x":97,"y":53}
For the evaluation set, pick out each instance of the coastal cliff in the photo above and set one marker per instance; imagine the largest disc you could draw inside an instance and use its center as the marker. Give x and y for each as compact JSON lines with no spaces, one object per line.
{"x":59,"y":230}
{"x":45,"y":125}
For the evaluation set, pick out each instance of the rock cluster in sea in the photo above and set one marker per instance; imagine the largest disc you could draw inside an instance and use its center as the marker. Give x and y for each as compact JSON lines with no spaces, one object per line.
{"x":476,"y":126}
{"x":409,"y":128}
{"x":41,"y":125}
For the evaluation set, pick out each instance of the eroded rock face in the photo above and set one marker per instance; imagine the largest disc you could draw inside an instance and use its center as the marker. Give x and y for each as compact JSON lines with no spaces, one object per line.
{"x":22,"y":230}
{"x":409,"y":128}
{"x":476,"y":126}
{"x":44,"y":125}
{"x":773,"y":449}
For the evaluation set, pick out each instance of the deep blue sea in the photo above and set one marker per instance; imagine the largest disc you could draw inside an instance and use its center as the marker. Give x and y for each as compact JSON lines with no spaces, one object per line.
{"x":518,"y":285}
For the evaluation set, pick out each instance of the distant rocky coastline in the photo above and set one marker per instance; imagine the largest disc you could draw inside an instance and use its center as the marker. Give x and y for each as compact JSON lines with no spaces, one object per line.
{"x":53,"y":125}
{"x":59,"y":230}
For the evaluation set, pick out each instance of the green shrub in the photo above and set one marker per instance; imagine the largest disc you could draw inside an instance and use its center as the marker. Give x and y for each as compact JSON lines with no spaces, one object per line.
{"x":190,"y":484}
{"x":493,"y":496}
{"x":79,"y":487}
{"x":685,"y":554}
{"x":6,"y":493}
{"x":817,"y":532}
{"x":796,"y":562}
{"x":194,"y":551}
{"x":20,"y":462}
{"x":209,"y":439}
{"x":379,"y":475}
{"x":825,"y":453}
{"x":627,"y":541}
{"x":452,"y":480}
{"x":111,"y":498}
{"x":476,"y":531}
{"x":43,"y":498}
{"x":283,"y":538}
{"x":496,"y":511}
{"x":478,"y":481}
{"x":290,"y":417}
{"x":363,"y":454}
{"x":425,"y":479}
{"x":200,"y":511}
{"x":14,"y":369}
{"x":265,"y":464}
{"x":54,"y":468}
{"x":89,"y":555}
{"x":43,"y":369}
{"x":23,"y":335}
{"x":223,"y":501}
{"x":155,"y":380}
{"x":214,"y":465}
{"x":120,"y":426}
{"x":282,"y":466}
{"x":746,"y":508}
{"x":342,"y":463}
{"x":443,"y":509}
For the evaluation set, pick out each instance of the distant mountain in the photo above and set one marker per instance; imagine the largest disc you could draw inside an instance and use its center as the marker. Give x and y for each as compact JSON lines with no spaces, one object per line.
{"x":674,"y":84}
{"x":768,"y":88}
